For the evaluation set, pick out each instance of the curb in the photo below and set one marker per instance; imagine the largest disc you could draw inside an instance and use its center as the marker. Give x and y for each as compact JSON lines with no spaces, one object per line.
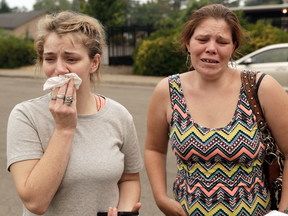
{"x":124,"y":79}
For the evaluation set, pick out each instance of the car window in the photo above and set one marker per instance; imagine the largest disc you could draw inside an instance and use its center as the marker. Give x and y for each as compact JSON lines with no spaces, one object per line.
{"x":274,"y":55}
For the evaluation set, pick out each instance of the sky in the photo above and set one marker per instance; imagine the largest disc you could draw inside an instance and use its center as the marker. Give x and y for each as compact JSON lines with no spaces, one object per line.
{"x":29,"y":3}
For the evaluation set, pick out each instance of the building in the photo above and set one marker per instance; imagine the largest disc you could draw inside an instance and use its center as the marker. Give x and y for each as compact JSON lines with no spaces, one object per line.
{"x":277,"y":13}
{"x":25,"y":25}
{"x":21,"y":24}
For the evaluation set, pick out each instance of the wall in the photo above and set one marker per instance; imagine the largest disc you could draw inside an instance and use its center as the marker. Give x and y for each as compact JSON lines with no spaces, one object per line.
{"x":31,"y":26}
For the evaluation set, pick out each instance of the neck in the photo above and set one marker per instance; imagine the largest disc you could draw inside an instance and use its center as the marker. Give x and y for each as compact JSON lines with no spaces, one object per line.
{"x":86,"y":103}
{"x":216,"y":83}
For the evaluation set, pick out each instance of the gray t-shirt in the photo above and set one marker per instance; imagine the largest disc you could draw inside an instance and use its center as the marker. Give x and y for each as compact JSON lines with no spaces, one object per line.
{"x":105,"y":146}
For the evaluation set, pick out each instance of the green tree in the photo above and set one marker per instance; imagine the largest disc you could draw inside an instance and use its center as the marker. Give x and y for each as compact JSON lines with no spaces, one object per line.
{"x":161,"y":54}
{"x":109,"y":12}
{"x":150,"y":12}
{"x":177,"y":4}
{"x":4,"y":8}
{"x":158,"y":54}
{"x":191,"y":7}
{"x":19,"y":9}
{"x":262,"y":2}
{"x":262,"y":34}
{"x":75,"y":5}
{"x":52,"y":5}
{"x":129,"y":7}
{"x":146,"y":13}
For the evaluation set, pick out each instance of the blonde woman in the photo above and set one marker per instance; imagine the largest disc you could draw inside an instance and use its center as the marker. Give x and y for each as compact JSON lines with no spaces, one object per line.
{"x":73,"y":152}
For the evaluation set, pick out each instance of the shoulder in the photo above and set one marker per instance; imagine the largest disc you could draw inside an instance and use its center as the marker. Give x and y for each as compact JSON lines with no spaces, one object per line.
{"x":265,"y":82}
{"x":162,"y":88}
{"x":161,"y":91}
{"x":34,"y":112}
{"x":268,"y":85}
{"x":115,"y":104}
{"x":163,"y":84}
{"x":270,"y":92}
{"x":160,"y":102}
{"x":116,"y":107}
{"x":33,"y":105}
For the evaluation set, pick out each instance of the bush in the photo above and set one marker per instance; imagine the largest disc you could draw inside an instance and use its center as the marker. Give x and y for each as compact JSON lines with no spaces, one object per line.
{"x":159,"y":54}
{"x":262,"y":34}
{"x":158,"y":57}
{"x":15,"y":52}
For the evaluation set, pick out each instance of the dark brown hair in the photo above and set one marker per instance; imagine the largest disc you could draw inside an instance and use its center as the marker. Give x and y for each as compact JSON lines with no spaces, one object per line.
{"x":216,"y":11}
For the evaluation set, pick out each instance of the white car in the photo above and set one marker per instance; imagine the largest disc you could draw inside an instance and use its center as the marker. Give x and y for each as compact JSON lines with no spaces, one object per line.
{"x":272,"y":60}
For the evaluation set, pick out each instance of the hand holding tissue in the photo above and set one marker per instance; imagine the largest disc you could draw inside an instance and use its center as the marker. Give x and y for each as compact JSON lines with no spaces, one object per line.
{"x":59,"y":81}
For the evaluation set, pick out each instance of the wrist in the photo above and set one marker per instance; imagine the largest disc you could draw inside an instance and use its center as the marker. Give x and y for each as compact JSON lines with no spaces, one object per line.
{"x":161,"y":200}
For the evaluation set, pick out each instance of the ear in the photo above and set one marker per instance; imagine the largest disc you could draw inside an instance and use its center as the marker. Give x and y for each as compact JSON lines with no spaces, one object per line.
{"x":95,"y":63}
{"x":187,"y":45}
{"x":234,"y":46}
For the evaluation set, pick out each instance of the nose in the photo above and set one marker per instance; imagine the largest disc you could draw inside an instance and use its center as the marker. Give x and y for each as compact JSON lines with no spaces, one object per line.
{"x":211,"y":48}
{"x":61,"y":67}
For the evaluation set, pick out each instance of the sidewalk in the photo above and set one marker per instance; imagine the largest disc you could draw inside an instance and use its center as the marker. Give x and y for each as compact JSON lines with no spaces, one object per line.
{"x":110,"y":74}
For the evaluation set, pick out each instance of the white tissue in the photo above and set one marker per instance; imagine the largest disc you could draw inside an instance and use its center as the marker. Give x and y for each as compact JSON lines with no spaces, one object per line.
{"x":59,"y":81}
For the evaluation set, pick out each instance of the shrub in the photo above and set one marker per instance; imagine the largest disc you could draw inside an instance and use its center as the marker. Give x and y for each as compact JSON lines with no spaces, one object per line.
{"x":158,"y":57}
{"x":15,"y":52}
{"x":262,"y":34}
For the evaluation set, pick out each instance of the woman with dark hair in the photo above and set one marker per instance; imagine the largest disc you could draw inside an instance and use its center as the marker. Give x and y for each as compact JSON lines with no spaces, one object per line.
{"x":206,"y":116}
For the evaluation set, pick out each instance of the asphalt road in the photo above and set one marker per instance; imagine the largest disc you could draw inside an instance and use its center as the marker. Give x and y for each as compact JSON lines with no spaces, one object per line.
{"x":134,"y":97}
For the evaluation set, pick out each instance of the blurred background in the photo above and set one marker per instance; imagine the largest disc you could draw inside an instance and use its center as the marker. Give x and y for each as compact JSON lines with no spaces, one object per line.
{"x":140,"y":34}
{"x":141,"y":40}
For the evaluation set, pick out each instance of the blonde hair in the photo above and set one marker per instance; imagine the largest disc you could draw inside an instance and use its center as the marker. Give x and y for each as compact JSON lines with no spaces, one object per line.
{"x":93,"y":34}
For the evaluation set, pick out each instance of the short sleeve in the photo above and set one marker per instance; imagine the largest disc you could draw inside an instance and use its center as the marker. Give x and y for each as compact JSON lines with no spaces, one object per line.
{"x":22,"y":137}
{"x":133,"y":161}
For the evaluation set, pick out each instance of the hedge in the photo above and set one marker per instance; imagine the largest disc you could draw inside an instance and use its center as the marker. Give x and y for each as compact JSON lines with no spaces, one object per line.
{"x":15,"y":52}
{"x":158,"y":56}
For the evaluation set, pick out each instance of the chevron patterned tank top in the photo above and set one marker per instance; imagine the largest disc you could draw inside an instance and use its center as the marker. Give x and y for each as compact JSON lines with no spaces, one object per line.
{"x":220,"y":171}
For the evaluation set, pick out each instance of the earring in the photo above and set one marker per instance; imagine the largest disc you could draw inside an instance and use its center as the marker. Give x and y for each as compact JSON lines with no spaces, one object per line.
{"x":188,"y":61}
{"x":232,"y":62}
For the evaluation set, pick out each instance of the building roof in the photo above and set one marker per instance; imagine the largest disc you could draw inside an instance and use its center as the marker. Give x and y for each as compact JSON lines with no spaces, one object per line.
{"x":253,"y":13}
{"x":261,"y":8}
{"x":13,"y":20}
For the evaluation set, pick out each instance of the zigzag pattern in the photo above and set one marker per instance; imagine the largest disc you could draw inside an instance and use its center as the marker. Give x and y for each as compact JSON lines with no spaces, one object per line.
{"x":220,"y":171}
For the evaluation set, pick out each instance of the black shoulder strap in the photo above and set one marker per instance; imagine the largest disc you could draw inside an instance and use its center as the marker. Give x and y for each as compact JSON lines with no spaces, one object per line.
{"x":251,"y":90}
{"x":259,"y":82}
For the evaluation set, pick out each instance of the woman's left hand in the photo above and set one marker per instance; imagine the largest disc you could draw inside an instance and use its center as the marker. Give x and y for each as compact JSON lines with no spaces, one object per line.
{"x":114,"y":211}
